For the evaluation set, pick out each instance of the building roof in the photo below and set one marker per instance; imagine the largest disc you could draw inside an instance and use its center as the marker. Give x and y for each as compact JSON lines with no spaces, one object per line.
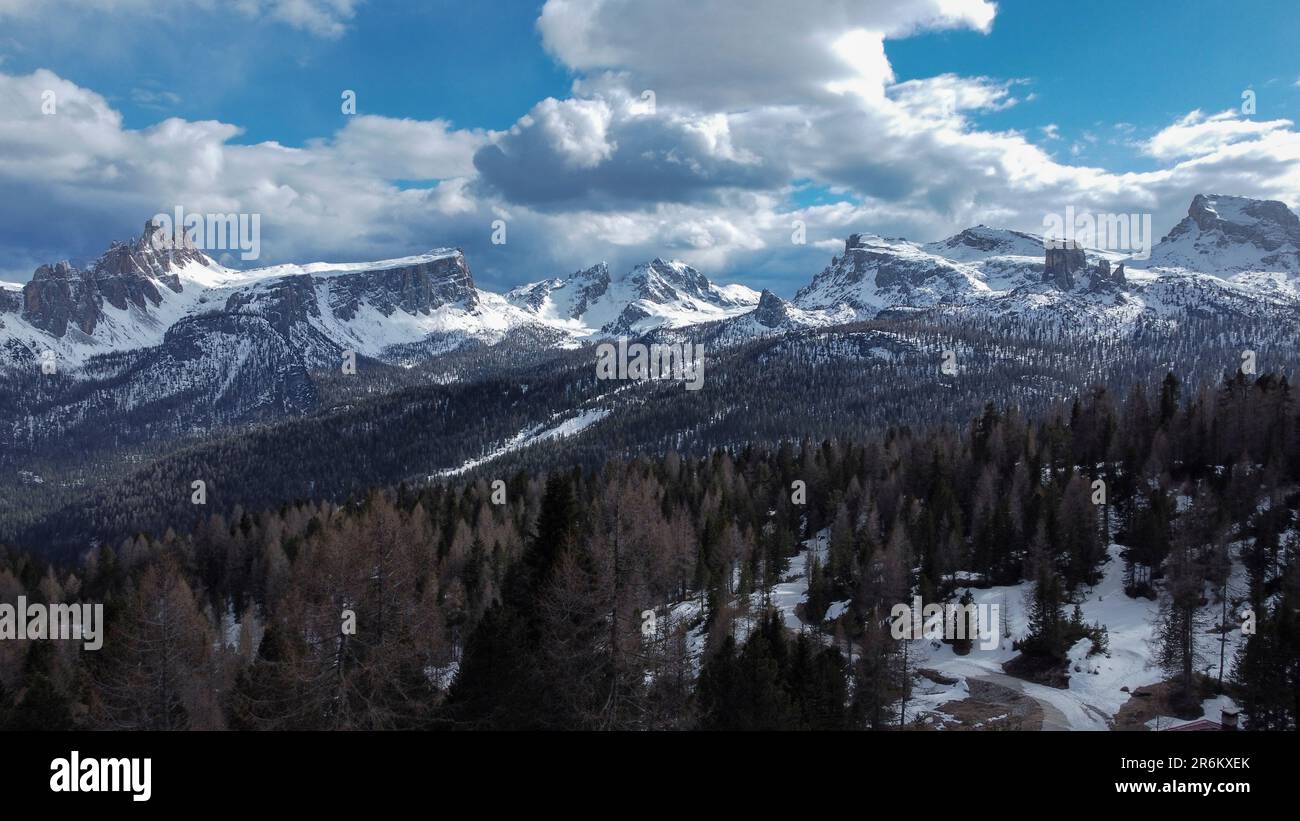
{"x":1198,"y":724}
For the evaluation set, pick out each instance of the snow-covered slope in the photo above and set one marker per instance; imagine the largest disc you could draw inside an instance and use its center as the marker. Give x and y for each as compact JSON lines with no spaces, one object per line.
{"x":1231,"y":256}
{"x":1232,"y":235}
{"x":132,"y":296}
{"x":154,"y":325}
{"x":657,"y":294}
{"x":875,"y":273}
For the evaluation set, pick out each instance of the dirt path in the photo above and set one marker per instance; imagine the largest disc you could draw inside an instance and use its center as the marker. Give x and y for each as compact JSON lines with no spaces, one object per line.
{"x":1053,"y":718}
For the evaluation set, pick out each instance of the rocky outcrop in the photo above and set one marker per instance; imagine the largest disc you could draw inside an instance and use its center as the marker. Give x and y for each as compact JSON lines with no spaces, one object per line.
{"x":60,"y":295}
{"x":874,"y":273}
{"x":1103,"y":278}
{"x":1228,"y":234}
{"x":772,"y":311}
{"x":1064,"y":260}
{"x":416,"y":289}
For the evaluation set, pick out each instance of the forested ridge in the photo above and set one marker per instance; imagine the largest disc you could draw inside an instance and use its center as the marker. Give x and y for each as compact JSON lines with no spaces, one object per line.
{"x":386,"y":425}
{"x":525,"y":604}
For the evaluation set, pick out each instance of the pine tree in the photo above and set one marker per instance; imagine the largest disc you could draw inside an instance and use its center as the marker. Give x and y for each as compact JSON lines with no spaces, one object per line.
{"x":1180,"y":626}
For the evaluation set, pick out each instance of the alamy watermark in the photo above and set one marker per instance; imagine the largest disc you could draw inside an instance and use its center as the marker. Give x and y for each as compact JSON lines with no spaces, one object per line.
{"x":210,"y":232}
{"x":53,"y":622}
{"x":946,"y":621}
{"x":680,"y":361}
{"x":1127,"y":233}
{"x":128,"y":775}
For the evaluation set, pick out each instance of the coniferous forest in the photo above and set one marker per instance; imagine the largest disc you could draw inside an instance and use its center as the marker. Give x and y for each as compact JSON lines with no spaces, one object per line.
{"x":645,"y":592}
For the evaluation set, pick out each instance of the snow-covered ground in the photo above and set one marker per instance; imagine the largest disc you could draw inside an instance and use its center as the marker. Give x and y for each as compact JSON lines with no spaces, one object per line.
{"x":1099,"y":684}
{"x":550,"y":430}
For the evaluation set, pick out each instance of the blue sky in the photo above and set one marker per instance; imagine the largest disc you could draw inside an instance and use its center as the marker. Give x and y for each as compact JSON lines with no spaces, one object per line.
{"x":973,"y":112}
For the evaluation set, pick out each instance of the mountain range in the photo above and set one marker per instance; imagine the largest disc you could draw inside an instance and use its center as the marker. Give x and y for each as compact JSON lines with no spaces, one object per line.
{"x":1230,"y":254}
{"x":161,"y":339}
{"x":170,"y":366}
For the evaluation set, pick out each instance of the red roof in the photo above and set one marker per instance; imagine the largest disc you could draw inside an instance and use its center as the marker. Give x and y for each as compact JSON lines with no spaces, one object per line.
{"x":1198,"y":724}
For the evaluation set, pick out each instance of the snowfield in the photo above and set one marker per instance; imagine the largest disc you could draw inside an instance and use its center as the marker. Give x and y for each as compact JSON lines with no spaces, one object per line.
{"x":1099,"y":684}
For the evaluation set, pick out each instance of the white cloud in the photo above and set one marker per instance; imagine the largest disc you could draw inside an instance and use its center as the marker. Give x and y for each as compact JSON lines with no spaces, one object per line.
{"x":71,"y":180}
{"x":721,"y":55}
{"x":1199,"y":134}
{"x":945,"y":97}
{"x":406,"y":149}
{"x":577,"y":130}
{"x":744,"y":105}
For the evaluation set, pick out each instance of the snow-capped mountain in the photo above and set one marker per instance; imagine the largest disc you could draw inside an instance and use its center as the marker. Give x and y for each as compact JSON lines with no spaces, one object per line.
{"x":156,"y":328}
{"x":1232,"y":235}
{"x":1230,"y":256}
{"x":657,"y":294}
{"x":137,"y":292}
{"x":134,"y":295}
{"x":875,"y":273}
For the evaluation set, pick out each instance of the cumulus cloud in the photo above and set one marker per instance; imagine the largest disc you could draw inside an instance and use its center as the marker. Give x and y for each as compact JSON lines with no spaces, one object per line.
{"x":611,"y":152}
{"x":1199,"y":134}
{"x":720,"y":54}
{"x":75,"y":177}
{"x":743,"y":109}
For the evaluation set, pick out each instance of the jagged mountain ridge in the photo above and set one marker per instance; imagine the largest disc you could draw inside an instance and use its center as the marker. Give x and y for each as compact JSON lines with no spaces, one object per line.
{"x":660,"y":293}
{"x":1228,"y":249}
{"x":132,"y":326}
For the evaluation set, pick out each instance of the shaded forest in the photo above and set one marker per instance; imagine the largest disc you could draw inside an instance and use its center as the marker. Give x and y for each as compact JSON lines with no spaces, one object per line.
{"x":553,"y":600}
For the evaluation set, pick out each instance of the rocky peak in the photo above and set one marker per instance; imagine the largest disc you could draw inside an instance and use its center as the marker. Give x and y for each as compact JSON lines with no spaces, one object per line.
{"x":1103,"y":278}
{"x":441,"y":278}
{"x":575,"y":292}
{"x":125,"y":275}
{"x":665,"y":281}
{"x":154,"y":254}
{"x":772,"y":311}
{"x":1064,"y":259}
{"x":1231,"y":234}
{"x":1267,"y":221}
{"x":982,"y":242}
{"x":62,"y":270}
{"x":590,"y":285}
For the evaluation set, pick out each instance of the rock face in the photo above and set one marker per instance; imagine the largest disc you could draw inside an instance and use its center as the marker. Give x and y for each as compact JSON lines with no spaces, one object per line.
{"x":10,"y":301}
{"x":1103,"y":278}
{"x":657,"y":293}
{"x":60,"y":295}
{"x":283,"y":302}
{"x":415,"y":289}
{"x":875,"y":272}
{"x":1227,"y":234}
{"x":1063,"y":261}
{"x":772,"y":311}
